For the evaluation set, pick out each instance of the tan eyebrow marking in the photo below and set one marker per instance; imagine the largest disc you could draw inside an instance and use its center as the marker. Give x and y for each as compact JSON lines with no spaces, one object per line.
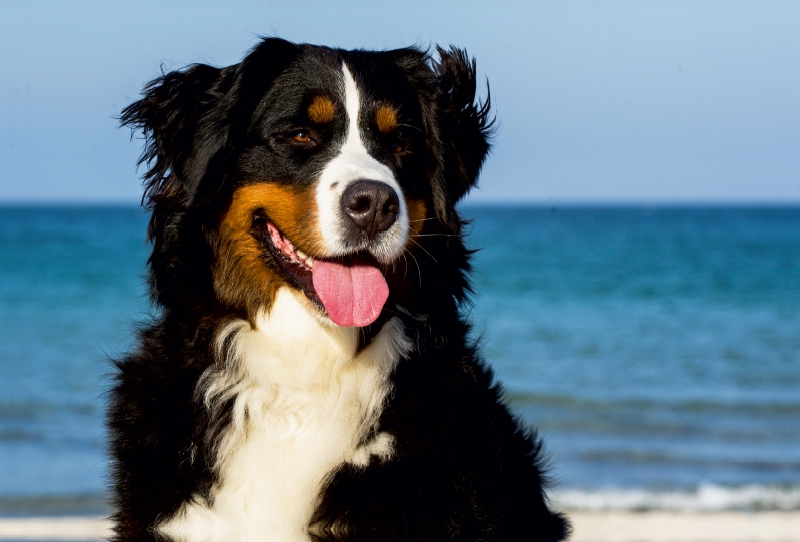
{"x":386,"y":118}
{"x":321,"y":110}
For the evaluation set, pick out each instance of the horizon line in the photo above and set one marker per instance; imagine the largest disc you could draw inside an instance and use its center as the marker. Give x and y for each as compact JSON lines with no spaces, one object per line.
{"x":499,"y":202}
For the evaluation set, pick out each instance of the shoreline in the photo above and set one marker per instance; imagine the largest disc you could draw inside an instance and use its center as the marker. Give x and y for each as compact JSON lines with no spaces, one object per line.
{"x":669,"y":526}
{"x":612,"y":526}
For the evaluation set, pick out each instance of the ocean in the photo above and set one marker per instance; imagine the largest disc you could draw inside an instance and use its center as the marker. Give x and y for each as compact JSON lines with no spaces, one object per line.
{"x":656,"y":349}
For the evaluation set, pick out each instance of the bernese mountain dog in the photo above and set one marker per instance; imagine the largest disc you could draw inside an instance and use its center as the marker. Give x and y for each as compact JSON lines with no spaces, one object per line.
{"x":308,"y":374}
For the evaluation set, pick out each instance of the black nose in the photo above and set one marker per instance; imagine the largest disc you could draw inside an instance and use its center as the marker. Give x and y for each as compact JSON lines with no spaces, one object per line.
{"x":372,"y":205}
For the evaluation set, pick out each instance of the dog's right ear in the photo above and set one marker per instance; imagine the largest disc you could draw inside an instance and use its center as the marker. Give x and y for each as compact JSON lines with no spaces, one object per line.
{"x":189,"y":118}
{"x":181,"y":134}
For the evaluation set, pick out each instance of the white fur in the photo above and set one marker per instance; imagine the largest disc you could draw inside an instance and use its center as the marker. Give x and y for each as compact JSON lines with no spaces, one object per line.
{"x":354,"y":163}
{"x":303,"y":402}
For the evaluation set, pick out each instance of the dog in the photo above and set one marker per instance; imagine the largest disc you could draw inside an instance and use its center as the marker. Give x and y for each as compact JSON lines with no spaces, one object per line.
{"x":308,"y":373}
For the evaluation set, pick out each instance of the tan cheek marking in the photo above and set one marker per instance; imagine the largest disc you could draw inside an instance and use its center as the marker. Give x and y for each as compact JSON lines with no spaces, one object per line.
{"x":321,"y":110}
{"x":242,"y":276}
{"x":386,"y":119}
{"x":417,"y":210}
{"x":403,"y":276}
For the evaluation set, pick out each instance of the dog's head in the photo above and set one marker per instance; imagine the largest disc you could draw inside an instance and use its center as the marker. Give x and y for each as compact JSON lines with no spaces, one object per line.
{"x":332,"y":172}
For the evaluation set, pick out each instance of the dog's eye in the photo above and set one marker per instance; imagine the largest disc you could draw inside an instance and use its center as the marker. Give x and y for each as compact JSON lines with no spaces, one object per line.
{"x":398,"y":145}
{"x":301,"y":136}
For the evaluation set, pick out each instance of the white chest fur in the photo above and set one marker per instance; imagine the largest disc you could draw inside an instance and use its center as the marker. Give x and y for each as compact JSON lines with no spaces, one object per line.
{"x":303,"y":403}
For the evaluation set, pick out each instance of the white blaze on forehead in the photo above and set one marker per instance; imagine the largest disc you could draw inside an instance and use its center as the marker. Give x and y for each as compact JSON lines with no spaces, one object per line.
{"x":354,"y":163}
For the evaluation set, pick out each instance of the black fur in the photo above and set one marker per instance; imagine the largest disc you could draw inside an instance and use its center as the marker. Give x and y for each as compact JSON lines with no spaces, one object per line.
{"x":465,"y":468}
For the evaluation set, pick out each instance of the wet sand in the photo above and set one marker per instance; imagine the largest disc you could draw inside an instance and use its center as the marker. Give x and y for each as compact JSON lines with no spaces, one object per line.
{"x":685,"y":526}
{"x":587,"y":527}
{"x":54,"y":528}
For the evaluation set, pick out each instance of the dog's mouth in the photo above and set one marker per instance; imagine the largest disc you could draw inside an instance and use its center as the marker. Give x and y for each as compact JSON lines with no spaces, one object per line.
{"x":351,"y":289}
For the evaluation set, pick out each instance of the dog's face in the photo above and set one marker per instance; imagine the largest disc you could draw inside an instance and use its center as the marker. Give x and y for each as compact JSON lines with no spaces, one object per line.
{"x":314,"y":169}
{"x":329,"y":188}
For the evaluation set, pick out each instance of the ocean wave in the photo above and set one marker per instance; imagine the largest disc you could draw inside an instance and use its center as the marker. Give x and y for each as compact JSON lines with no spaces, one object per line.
{"x":753,"y":406}
{"x":703,"y":498}
{"x":31,"y":410}
{"x":83,"y":504}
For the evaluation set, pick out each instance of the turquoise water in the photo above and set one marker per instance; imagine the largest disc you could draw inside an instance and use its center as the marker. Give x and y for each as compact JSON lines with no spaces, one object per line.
{"x":70,"y":288}
{"x":657,"y":349}
{"x":654,"y":348}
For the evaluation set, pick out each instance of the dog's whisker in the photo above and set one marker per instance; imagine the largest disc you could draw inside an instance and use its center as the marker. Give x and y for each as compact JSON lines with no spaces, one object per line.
{"x":419,"y":270}
{"x":410,"y":126}
{"x":423,"y":249}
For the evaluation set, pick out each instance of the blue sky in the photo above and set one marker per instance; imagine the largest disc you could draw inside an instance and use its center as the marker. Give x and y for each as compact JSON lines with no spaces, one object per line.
{"x":597,"y":101}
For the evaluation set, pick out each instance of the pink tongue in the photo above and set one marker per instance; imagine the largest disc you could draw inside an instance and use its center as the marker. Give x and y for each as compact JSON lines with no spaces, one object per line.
{"x":353,"y":295}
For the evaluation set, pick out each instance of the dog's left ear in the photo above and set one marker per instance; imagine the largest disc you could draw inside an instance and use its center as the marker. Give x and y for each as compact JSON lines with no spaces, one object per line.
{"x":465,"y":130}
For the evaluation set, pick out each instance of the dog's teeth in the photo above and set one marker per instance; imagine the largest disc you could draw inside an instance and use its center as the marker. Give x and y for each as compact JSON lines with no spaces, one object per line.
{"x":310,"y":262}
{"x":302,"y":255}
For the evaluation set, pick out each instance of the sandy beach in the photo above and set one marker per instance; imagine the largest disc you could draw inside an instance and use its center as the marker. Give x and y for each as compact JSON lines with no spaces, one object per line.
{"x":685,"y":526}
{"x":588,"y":527}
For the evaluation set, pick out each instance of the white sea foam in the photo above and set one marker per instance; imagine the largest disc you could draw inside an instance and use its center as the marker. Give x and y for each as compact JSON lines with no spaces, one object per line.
{"x":704,"y":498}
